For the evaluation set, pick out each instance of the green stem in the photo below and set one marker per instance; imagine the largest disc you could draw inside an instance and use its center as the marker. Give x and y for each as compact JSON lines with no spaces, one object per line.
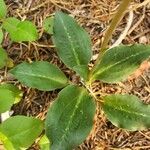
{"x":115,"y":21}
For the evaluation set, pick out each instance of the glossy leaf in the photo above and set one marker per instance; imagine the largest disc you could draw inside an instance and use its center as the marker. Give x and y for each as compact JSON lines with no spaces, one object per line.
{"x":17,"y":94}
{"x":3,"y":9}
{"x":70,"y":118}
{"x":119,"y":62}
{"x":41,"y":75}
{"x":1,"y":35}
{"x":48,"y":25}
{"x":44,"y":143}
{"x":21,"y":131}
{"x":72,"y":42}
{"x":3,"y":58}
{"x":20,"y":30}
{"x":127,"y":111}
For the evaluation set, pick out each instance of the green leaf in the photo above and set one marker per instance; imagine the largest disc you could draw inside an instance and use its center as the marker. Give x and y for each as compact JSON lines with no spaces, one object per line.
{"x":44,"y":143}
{"x":16,"y":92}
{"x":20,"y":30}
{"x":127,"y":111}
{"x":41,"y":75}
{"x":119,"y":62}
{"x":21,"y":131}
{"x":3,"y":9}
{"x":6,"y":100}
{"x":72,"y":42}
{"x":82,"y":70}
{"x":48,"y":25}
{"x":10,"y":24}
{"x":1,"y":36}
{"x":6,"y":143}
{"x":9,"y":94}
{"x":3,"y":58}
{"x":70,"y":118}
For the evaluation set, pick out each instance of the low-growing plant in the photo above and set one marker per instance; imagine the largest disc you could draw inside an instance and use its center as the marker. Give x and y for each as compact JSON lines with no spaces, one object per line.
{"x":19,"y":31}
{"x":19,"y":131}
{"x":70,"y":118}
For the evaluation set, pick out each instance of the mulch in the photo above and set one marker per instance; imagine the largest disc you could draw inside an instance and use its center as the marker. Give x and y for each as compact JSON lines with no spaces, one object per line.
{"x":95,"y":17}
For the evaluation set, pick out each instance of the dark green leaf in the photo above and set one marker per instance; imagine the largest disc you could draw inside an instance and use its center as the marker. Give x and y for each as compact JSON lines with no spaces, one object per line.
{"x":70,"y":118}
{"x":1,"y":35}
{"x":21,"y":131}
{"x":72,"y":42}
{"x":3,"y":9}
{"x":48,"y":25}
{"x":119,"y":62}
{"x":3,"y":58}
{"x":20,"y":30}
{"x":82,"y":70}
{"x":41,"y":75}
{"x":127,"y":111}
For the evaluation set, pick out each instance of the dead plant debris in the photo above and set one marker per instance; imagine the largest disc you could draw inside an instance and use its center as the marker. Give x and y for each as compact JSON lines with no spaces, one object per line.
{"x":94,"y":16}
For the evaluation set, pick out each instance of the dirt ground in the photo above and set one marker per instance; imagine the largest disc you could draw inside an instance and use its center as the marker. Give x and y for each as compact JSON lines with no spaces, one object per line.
{"x":94,"y":16}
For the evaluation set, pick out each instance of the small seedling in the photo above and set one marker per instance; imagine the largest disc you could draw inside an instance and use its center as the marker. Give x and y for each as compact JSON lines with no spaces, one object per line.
{"x":70,"y":118}
{"x":17,"y":132}
{"x":19,"y":31}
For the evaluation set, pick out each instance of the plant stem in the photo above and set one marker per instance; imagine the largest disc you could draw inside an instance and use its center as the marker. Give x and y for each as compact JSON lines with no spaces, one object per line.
{"x":115,"y":21}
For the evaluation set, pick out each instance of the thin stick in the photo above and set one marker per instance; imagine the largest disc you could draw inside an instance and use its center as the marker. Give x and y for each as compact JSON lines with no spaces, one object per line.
{"x":116,"y":20}
{"x":125,"y":32}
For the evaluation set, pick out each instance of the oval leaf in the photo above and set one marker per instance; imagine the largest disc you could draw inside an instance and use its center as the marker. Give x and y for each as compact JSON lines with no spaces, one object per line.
{"x":20,"y":30}
{"x":16,"y":92}
{"x":119,"y":62}
{"x":1,"y":36}
{"x":127,"y":111}
{"x":10,"y":24}
{"x":3,"y":9}
{"x":48,"y":25}
{"x":21,"y":131}
{"x":70,"y":118}
{"x":72,"y":42}
{"x":6,"y":100}
{"x":41,"y":75}
{"x":3,"y":58}
{"x":9,"y":94}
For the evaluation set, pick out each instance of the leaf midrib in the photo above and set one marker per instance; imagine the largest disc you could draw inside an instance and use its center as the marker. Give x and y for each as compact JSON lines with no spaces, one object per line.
{"x":44,"y":77}
{"x":71,"y":117}
{"x":128,"y":111}
{"x":71,"y":43}
{"x":119,"y":62}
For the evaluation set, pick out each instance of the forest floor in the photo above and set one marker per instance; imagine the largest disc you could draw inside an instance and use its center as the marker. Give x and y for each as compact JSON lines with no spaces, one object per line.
{"x":95,"y":16}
